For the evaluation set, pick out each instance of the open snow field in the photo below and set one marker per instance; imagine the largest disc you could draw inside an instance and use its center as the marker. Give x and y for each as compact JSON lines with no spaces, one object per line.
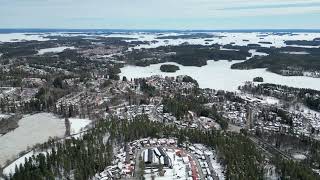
{"x":76,"y":125}
{"x":33,"y":129}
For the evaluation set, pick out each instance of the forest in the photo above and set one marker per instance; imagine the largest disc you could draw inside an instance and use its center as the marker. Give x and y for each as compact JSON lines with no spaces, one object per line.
{"x":314,"y":42}
{"x":284,"y":64}
{"x":258,"y":79}
{"x":186,"y":55}
{"x":169,"y":68}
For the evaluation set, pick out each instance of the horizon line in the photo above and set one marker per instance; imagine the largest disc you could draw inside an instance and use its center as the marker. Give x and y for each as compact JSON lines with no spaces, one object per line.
{"x":161,"y":30}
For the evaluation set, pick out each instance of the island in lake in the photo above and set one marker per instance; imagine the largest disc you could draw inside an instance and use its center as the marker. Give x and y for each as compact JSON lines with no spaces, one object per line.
{"x":169,"y":68}
{"x":258,"y":79}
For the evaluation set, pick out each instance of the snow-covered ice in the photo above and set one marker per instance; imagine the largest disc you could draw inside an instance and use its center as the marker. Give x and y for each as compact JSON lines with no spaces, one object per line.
{"x":17,"y":37}
{"x":33,"y":129}
{"x":219,"y":75}
{"x":222,"y":38}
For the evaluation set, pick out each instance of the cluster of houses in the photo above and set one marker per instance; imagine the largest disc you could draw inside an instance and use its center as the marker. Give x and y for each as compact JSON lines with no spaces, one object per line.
{"x":129,"y":112}
{"x":258,"y":113}
{"x":170,"y":85}
{"x":191,"y":161}
{"x":100,"y":51}
{"x":123,"y":165}
{"x":207,"y":159}
{"x":33,"y":82}
{"x":12,"y":99}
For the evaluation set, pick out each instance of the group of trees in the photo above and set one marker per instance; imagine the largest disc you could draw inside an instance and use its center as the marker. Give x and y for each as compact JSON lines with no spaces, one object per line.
{"x":25,"y":48}
{"x":291,"y":169}
{"x":189,"y":79}
{"x":187,"y":55}
{"x":169,"y":68}
{"x":197,"y":55}
{"x":314,"y":42}
{"x":288,"y":61}
{"x":147,"y":89}
{"x":281,"y":63}
{"x":215,"y":115}
{"x":179,"y":106}
{"x":303,"y":144}
{"x":258,"y":79}
{"x":288,"y":169}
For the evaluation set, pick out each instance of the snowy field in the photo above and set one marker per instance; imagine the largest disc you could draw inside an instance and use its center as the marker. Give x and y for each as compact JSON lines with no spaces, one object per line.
{"x":54,"y":50}
{"x":76,"y":125}
{"x":218,"y":75}
{"x":299,"y":156}
{"x":32,"y":129}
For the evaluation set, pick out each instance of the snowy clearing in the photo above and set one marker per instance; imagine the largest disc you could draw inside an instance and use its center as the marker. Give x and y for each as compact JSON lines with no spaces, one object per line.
{"x":76,"y":125}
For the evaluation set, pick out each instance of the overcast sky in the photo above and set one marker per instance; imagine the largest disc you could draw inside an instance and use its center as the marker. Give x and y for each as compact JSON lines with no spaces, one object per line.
{"x":161,"y":14}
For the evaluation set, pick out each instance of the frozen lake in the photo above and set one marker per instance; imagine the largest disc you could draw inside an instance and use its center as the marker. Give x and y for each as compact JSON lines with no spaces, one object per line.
{"x":218,"y":75}
{"x":17,"y":37}
{"x":32,"y":129}
{"x":222,"y":38}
